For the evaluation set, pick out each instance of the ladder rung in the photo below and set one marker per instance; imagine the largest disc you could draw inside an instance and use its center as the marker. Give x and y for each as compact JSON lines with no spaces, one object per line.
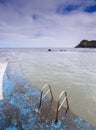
{"x":62,"y":103}
{"x":45,"y":86}
{"x":46,"y":93}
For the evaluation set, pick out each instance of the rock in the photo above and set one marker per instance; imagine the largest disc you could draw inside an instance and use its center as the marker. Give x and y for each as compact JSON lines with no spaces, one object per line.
{"x":87,"y":44}
{"x":49,"y":50}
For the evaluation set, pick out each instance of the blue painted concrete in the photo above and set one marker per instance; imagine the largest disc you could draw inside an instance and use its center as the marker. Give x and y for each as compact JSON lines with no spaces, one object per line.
{"x":81,"y":124}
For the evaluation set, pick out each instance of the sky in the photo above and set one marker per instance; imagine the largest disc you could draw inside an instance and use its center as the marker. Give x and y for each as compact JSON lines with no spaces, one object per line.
{"x":46,"y":23}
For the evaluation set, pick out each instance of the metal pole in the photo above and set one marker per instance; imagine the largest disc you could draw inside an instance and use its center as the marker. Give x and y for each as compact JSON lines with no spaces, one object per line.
{"x":51,"y":92}
{"x":40,"y":100}
{"x":56,"y":119}
{"x":67,"y":100}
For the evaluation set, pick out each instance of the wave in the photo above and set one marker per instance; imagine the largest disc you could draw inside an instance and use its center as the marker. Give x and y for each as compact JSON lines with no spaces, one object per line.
{"x":2,"y":71}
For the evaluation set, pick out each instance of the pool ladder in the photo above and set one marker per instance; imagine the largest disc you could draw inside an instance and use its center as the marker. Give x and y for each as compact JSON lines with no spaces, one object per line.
{"x":59,"y":103}
{"x":42,"y":92}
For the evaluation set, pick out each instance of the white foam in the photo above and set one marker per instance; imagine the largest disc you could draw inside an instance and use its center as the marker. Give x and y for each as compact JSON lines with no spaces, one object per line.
{"x":2,"y":71}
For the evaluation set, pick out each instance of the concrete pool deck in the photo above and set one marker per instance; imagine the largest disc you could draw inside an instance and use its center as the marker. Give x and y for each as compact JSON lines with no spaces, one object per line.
{"x":18,"y":107}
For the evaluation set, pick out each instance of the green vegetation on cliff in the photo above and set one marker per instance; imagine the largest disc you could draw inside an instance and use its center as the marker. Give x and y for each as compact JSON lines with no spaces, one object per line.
{"x":87,"y":44}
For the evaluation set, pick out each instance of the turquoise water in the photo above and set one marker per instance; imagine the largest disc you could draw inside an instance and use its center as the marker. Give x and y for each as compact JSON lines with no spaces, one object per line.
{"x":72,"y":70}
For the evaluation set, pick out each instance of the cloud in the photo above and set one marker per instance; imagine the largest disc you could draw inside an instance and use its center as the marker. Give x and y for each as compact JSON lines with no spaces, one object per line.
{"x":45,"y":23}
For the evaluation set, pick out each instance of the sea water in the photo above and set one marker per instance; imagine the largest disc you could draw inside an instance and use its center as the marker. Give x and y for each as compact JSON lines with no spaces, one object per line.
{"x":71,"y":70}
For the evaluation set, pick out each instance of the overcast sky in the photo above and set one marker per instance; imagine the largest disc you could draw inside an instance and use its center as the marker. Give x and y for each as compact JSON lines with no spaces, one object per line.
{"x":46,"y":23}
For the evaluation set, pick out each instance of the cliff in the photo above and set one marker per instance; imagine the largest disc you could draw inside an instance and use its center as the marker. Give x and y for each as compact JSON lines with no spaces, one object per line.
{"x":87,"y":44}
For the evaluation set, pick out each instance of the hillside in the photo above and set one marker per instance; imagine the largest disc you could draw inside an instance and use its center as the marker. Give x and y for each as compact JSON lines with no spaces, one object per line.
{"x":87,"y":44}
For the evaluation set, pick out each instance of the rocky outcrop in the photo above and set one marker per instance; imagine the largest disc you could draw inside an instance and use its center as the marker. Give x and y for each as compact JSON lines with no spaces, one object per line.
{"x":87,"y":44}
{"x":49,"y":50}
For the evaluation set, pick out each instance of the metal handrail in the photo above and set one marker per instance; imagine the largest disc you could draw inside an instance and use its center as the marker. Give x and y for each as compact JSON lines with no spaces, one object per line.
{"x":59,"y":105}
{"x":42,"y":92}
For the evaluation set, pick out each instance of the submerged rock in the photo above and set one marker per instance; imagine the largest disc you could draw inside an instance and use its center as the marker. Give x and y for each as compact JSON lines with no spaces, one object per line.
{"x":87,"y":44}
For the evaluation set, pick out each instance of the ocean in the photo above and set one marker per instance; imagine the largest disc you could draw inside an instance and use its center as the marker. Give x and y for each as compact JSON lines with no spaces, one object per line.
{"x":70,"y":69}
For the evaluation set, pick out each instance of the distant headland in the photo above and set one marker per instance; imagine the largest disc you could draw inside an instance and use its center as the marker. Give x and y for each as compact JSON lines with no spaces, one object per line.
{"x":86,"y":44}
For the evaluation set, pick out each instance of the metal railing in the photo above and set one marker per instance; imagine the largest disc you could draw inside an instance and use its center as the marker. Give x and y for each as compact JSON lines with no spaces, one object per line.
{"x":59,"y":105}
{"x":44,"y":95}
